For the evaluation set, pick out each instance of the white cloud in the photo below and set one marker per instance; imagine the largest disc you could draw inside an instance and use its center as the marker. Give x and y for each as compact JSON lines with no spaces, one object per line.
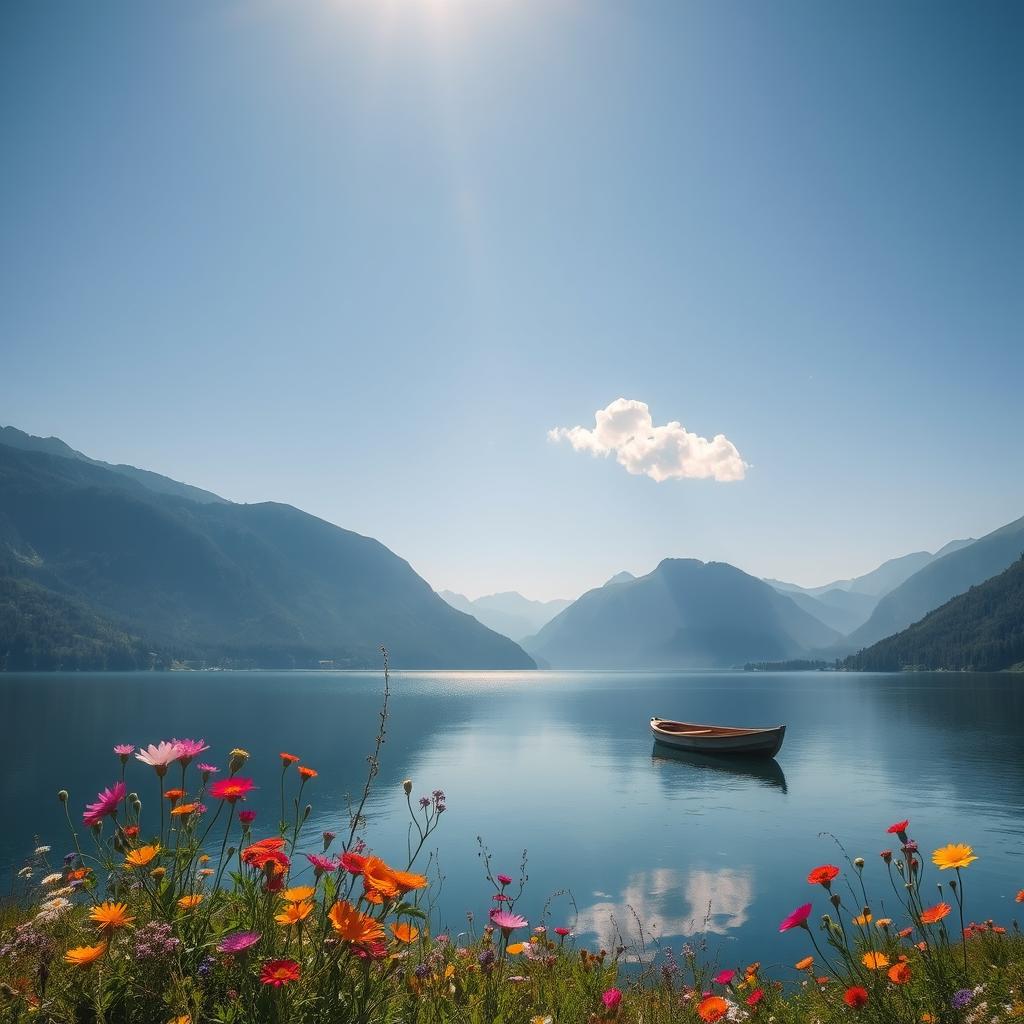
{"x":668,"y":452}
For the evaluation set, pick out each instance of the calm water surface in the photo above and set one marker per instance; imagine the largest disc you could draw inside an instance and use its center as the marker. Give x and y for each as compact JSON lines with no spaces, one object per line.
{"x":561,"y":764}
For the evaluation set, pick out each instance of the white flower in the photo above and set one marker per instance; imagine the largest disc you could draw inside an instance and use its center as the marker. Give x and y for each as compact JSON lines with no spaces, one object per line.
{"x":55,"y":905}
{"x":52,"y":879}
{"x":159,"y":755}
{"x":25,"y":873}
{"x":40,"y":850}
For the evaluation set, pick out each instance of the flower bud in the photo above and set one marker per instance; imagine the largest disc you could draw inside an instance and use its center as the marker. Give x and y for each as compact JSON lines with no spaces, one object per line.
{"x":158,"y":873}
{"x":236,"y":759}
{"x":62,"y":796}
{"x":307,"y":811}
{"x":952,"y":885}
{"x":836,"y":900}
{"x":97,"y":827}
{"x":858,"y":863}
{"x":407,"y":786}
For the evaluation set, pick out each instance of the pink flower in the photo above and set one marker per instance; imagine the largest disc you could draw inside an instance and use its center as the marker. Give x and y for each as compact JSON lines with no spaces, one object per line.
{"x":724,"y":977}
{"x":124,"y":749}
{"x":246,"y":817}
{"x":106,"y":803}
{"x":323,"y":864}
{"x":501,"y":897}
{"x":611,"y":998}
{"x":159,"y":756}
{"x":504,"y":879}
{"x":562,"y":932}
{"x":506,"y":920}
{"x":208,"y":769}
{"x":238,"y":942}
{"x":798,"y":919}
{"x":188,"y":749}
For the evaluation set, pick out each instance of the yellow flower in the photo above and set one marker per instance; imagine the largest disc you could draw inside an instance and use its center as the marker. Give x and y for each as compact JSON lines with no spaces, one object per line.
{"x":884,"y":922}
{"x":82,"y":956}
{"x":955,"y":855}
{"x":183,"y":1019}
{"x":540,"y":1020}
{"x":297,"y":893}
{"x":516,"y":947}
{"x":191,"y":901}
{"x":142,"y":856}
{"x":204,"y":858}
{"x":111,"y":915}
{"x":875,"y":961}
{"x":862,"y":919}
{"x":294,"y":913}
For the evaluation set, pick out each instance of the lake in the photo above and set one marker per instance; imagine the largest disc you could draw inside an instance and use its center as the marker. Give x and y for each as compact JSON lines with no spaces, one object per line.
{"x":560,"y":764}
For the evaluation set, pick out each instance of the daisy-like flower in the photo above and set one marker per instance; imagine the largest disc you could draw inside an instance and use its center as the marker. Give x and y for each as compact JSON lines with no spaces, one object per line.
{"x":141,"y":857}
{"x":899,"y":974}
{"x":875,"y":961}
{"x":40,"y":850}
{"x":322,"y":865}
{"x":279,"y":972}
{"x":308,"y":773}
{"x":106,"y":804}
{"x":232,"y":789}
{"x":183,"y":809}
{"x":724,"y":977}
{"x":297,"y":893}
{"x":246,"y":817}
{"x":294,"y":913}
{"x":955,"y":855}
{"x":111,"y":916}
{"x":563,"y":932}
{"x":207,"y":770}
{"x":863,"y":920}
{"x":798,"y":919}
{"x":189,"y":749}
{"x":238,"y":942}
{"x":287,"y":759}
{"x":804,"y":965}
{"x":405,"y":932}
{"x":507,"y":921}
{"x":354,"y":863}
{"x":932,"y":915}
{"x":124,"y":751}
{"x":159,"y":756}
{"x":191,"y":901}
{"x":354,"y":926}
{"x":82,"y":956}
{"x":712,"y":1009}
{"x":824,"y":875}
{"x":855,"y":997}
{"x":52,"y":879}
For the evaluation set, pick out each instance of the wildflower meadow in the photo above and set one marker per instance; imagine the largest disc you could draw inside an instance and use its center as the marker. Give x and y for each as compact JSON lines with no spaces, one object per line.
{"x":174,"y":905}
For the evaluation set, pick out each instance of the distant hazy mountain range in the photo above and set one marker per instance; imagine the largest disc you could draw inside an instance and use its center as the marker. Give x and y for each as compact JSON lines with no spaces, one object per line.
{"x":982,"y":630}
{"x":684,"y":614}
{"x":508,"y":613}
{"x":100,"y":565}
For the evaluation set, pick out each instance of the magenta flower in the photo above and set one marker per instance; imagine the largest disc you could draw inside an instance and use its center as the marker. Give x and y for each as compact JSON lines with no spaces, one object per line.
{"x":189,"y":749}
{"x":724,"y":977}
{"x":159,"y":756}
{"x":106,"y":803}
{"x":611,"y":998}
{"x":323,"y":864}
{"x":506,"y":920}
{"x":504,"y":879}
{"x":246,"y":817}
{"x":238,"y":942}
{"x":798,"y":919}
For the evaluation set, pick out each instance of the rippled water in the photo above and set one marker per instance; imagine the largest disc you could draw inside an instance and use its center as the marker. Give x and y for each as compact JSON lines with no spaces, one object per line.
{"x":562,"y":764}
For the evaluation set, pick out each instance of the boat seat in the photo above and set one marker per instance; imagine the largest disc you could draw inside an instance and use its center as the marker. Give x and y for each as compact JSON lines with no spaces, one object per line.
{"x":694,"y":732}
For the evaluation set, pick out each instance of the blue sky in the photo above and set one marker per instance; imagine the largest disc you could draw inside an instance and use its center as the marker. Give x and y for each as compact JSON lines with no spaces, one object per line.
{"x":362,"y":255}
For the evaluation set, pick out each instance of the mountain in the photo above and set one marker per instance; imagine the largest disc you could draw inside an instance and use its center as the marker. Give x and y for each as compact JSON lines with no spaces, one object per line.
{"x":14,"y":438}
{"x":99,"y":555}
{"x":620,"y":577}
{"x":508,"y":613}
{"x":982,"y":630}
{"x":941,"y":579}
{"x":684,"y":614}
{"x":841,"y":610}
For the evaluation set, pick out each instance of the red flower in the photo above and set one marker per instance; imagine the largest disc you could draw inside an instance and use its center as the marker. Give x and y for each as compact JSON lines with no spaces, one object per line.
{"x":856,"y":997}
{"x":823,"y":875}
{"x":375,"y":950}
{"x":231,"y":789}
{"x":353,"y":863}
{"x":562,"y":932}
{"x":755,"y":997}
{"x":279,"y":972}
{"x":899,"y":828}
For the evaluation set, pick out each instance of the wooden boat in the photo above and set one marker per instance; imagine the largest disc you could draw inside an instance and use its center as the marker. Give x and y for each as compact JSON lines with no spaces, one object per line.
{"x":718,"y":739}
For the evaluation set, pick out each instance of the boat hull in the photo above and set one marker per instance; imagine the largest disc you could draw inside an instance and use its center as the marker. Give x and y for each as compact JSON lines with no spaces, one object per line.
{"x":697,"y":739}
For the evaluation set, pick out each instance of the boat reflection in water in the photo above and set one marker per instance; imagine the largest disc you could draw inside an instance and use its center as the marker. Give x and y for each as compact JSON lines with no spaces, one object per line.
{"x":765,"y":770}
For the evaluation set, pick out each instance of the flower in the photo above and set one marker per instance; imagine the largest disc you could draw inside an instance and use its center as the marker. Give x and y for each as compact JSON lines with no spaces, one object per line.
{"x":712,"y":1009}
{"x":823,"y":875}
{"x":231,"y":789}
{"x":883,"y":922}
{"x":1020,"y":896}
{"x":174,"y":795}
{"x":961,"y":998}
{"x":936,"y":913}
{"x":899,"y":974}
{"x":855,"y":996}
{"x":236,"y":758}
{"x":191,"y":901}
{"x":182,"y":809}
{"x":724,"y":977}
{"x":353,"y":863}
{"x":955,"y":855}
{"x":611,"y":998}
{"x":106,"y":804}
{"x":562,"y":932}
{"x":798,"y":919}
{"x":504,"y":880}
{"x":246,"y":817}
{"x":863,"y":920}
{"x":875,"y":961}
{"x":279,"y":972}
{"x":507,"y":921}
{"x":142,"y":856}
{"x":82,"y":956}
{"x":295,"y":913}
{"x":189,"y":749}
{"x":308,"y":773}
{"x":899,"y":828}
{"x":804,"y":965}
{"x":323,"y":864}
{"x":287,"y":759}
{"x":208,"y":769}
{"x":755,"y":997}
{"x":159,"y":755}
{"x":238,"y":942}
{"x":297,"y":893}
{"x":354,"y":926}
{"x":52,"y":879}
{"x":110,"y":916}
{"x":405,"y":932}
{"x":124,"y":751}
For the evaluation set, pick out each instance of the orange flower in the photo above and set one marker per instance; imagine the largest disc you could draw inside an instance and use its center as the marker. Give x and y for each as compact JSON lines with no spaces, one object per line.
{"x":1020,"y":896}
{"x":713,"y":1008}
{"x":404,"y":932}
{"x":182,"y":809}
{"x":142,"y":856}
{"x":408,"y":880}
{"x":78,"y":874}
{"x":354,"y":926}
{"x":806,"y":964}
{"x":190,"y":902}
{"x":82,"y":956}
{"x":308,"y":773}
{"x":955,"y":855}
{"x":295,"y":913}
{"x":823,"y":875}
{"x":936,"y":913}
{"x":905,"y":933}
{"x":862,"y":919}
{"x":287,"y":759}
{"x":899,"y":974}
{"x":874,"y":961}
{"x":174,"y":795}
{"x":378,"y":880}
{"x":111,"y":915}
{"x":297,"y":893}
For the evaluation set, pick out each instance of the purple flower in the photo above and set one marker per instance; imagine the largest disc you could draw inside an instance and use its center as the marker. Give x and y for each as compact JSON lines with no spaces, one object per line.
{"x":238,"y":942}
{"x":486,"y":957}
{"x":424,"y":801}
{"x":422,"y":970}
{"x":154,"y":940}
{"x":961,"y":998}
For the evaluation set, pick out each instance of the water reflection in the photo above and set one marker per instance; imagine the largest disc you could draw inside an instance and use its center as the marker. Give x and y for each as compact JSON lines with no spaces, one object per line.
{"x":671,"y":902}
{"x":767,"y":771}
